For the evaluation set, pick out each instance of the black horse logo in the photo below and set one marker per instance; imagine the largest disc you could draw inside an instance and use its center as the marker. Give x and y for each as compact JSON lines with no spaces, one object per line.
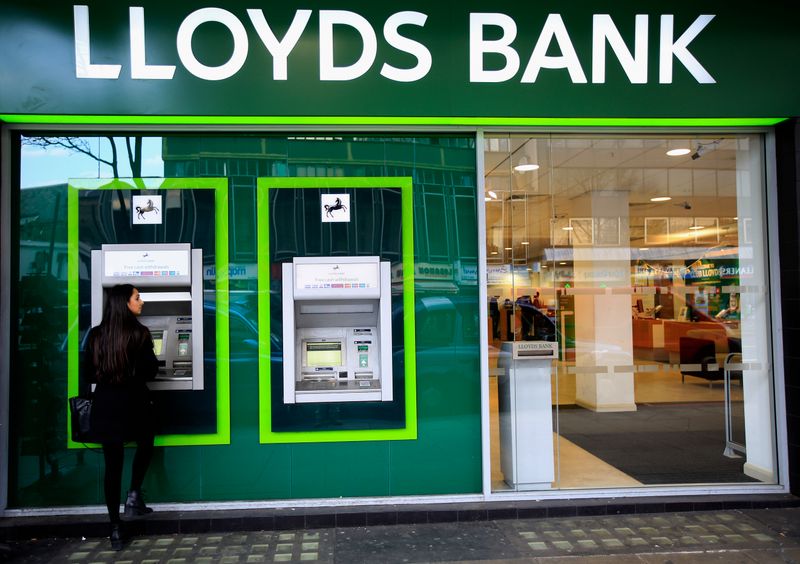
{"x":140,"y":211}
{"x":338,"y":205}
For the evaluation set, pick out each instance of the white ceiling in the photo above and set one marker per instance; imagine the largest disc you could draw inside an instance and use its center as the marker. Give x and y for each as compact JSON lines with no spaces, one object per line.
{"x":602,"y":176}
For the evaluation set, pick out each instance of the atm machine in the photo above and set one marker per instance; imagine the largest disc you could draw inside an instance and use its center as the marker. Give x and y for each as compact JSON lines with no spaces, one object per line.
{"x":169,"y":277}
{"x":337,"y":331}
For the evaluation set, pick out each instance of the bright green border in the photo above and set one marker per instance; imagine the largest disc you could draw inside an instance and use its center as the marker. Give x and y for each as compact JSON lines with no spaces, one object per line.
{"x":264,"y":368}
{"x":393,"y":121}
{"x":220,"y":187}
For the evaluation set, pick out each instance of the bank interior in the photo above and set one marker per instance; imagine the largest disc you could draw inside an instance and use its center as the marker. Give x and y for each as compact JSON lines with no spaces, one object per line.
{"x":642,"y":258}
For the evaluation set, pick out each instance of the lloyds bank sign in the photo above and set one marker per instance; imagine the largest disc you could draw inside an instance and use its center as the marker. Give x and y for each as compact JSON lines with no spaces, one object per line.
{"x":357,"y":58}
{"x":554,"y":33}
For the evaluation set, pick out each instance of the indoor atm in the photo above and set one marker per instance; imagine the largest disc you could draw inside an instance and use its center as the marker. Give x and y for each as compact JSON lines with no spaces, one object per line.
{"x":337,"y":340}
{"x":169,"y":277}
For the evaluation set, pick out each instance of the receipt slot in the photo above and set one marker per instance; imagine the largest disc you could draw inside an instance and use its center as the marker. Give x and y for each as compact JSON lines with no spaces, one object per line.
{"x":526,"y":413}
{"x":337,"y":340}
{"x":169,"y":278}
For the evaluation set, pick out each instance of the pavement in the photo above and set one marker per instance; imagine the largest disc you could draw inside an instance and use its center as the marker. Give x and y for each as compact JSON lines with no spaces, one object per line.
{"x":764,"y":536}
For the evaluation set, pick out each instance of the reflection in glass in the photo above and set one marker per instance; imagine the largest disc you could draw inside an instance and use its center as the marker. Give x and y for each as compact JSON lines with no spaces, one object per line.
{"x":43,"y":472}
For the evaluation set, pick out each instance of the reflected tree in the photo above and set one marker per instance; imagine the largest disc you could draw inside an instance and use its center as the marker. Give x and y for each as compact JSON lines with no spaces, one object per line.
{"x":133,"y":149}
{"x":83,"y":146}
{"x":39,"y":416}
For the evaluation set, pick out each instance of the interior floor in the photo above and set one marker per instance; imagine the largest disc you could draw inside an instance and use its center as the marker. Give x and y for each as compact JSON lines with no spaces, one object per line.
{"x":577,"y":468}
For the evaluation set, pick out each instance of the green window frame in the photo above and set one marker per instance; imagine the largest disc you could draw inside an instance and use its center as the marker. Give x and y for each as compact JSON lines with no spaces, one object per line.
{"x":220,"y":187}
{"x":409,"y":432}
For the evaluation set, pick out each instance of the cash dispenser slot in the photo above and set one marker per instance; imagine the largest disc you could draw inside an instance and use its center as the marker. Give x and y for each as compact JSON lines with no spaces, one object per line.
{"x":337,"y":330}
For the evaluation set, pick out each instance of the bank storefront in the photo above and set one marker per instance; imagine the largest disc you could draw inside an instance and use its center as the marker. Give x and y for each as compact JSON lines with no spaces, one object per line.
{"x":402,"y":252}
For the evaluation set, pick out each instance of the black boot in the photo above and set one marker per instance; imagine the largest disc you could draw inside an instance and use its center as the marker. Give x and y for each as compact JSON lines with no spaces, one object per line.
{"x":116,"y":536}
{"x":134,"y":505}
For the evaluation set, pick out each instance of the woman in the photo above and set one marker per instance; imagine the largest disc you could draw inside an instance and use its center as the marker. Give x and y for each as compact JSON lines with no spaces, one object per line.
{"x":119,"y":358}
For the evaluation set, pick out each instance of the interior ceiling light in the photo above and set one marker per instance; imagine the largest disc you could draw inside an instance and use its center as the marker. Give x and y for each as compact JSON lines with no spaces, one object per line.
{"x":508,"y":248}
{"x":525,"y":243}
{"x":487,"y":199}
{"x":696,"y":227}
{"x":661,"y":199}
{"x":678,"y":152}
{"x":562,"y":263}
{"x":568,"y":228}
{"x":494,"y":252}
{"x":492,"y":194}
{"x":526,"y":167}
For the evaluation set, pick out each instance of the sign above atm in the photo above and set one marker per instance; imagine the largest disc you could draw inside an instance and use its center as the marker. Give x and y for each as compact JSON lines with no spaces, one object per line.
{"x":171,"y":263}
{"x":360,"y":276}
{"x":360,"y":58}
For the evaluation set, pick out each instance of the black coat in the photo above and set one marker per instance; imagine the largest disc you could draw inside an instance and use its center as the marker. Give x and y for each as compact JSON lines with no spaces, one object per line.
{"x":123,"y":411}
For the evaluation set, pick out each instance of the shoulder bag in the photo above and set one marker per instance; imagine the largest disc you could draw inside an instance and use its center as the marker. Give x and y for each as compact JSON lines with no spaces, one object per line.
{"x":80,"y":411}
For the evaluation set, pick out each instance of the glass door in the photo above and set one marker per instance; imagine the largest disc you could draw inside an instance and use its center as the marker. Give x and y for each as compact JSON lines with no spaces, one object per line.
{"x":524,"y":312}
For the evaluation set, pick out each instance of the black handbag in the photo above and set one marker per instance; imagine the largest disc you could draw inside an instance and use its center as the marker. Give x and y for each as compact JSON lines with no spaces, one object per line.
{"x":80,"y":411}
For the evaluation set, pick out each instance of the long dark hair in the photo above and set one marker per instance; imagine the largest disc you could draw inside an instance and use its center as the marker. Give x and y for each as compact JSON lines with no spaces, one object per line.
{"x":118,"y":336}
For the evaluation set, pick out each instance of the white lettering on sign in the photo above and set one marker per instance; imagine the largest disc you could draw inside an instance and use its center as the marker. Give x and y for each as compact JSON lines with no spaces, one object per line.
{"x":280,"y":49}
{"x":635,"y":66}
{"x":554,"y":29}
{"x":83,"y":63}
{"x":240,"y":45}
{"x":140,"y":68}
{"x":478,"y":46}
{"x":603,"y":30}
{"x":327,"y":69}
{"x":679,"y":50}
{"x":491,"y":34}
{"x":416,"y":49}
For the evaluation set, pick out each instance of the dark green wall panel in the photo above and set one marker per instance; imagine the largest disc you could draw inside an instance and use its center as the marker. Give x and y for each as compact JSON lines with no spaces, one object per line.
{"x":340,"y":470}
{"x":748,"y":49}
{"x":446,"y":456}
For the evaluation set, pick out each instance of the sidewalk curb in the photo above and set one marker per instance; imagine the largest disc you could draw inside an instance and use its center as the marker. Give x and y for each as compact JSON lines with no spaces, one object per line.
{"x":223,"y":521}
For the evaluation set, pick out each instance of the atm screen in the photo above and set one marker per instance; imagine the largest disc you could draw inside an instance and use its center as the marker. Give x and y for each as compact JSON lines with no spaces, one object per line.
{"x":158,"y":342}
{"x":324,"y":354}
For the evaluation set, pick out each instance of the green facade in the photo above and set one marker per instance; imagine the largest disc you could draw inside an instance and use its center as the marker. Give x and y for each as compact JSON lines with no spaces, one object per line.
{"x":435,"y":446}
{"x":443,"y":456}
{"x":742,"y":49}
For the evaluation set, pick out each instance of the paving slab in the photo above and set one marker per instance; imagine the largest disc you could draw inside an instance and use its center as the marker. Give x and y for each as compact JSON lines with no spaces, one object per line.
{"x":785,"y":521}
{"x":424,"y":543}
{"x":730,"y":536}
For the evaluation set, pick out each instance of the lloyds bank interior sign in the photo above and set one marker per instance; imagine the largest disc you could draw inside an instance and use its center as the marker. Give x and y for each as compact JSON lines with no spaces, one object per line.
{"x":446,"y":58}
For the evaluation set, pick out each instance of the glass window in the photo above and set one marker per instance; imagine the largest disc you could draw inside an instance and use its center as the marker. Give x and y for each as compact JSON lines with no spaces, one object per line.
{"x":643,"y":258}
{"x":445,"y":459}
